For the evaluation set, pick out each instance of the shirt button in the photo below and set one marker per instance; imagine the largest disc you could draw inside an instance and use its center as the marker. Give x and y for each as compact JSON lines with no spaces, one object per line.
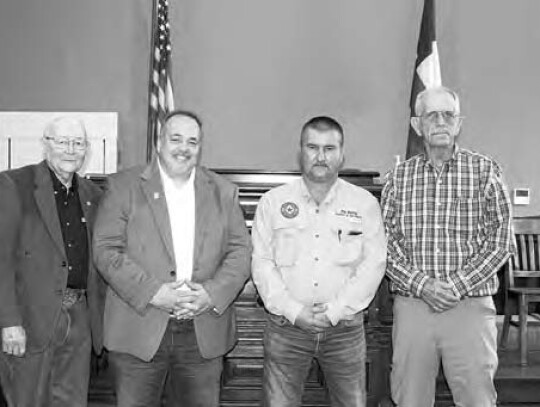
{"x":173,"y":273}
{"x":316,"y":259}
{"x":317,"y":235}
{"x":316,"y":211}
{"x":67,"y":223}
{"x":316,"y":284}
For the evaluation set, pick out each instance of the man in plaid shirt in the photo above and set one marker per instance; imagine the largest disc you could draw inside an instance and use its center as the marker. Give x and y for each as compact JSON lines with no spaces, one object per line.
{"x":448,"y":220}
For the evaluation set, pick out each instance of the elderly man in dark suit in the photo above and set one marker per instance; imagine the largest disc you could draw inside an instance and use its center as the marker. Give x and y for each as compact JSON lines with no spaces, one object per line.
{"x":50,"y":294}
{"x":171,"y":241}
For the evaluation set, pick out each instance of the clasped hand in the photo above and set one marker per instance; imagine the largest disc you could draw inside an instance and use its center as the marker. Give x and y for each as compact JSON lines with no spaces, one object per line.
{"x":313,"y":318}
{"x":439,"y":295}
{"x":184,"y":299}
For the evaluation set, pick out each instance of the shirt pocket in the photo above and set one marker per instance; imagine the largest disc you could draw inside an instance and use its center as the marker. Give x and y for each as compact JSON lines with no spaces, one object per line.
{"x":465,"y":216}
{"x":350,"y":242}
{"x":287,"y":236}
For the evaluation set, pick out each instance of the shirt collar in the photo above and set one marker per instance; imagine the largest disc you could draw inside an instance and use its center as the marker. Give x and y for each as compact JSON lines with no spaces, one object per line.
{"x":59,"y":186}
{"x":304,"y":191}
{"x":425,"y":159}
{"x":167,"y":180}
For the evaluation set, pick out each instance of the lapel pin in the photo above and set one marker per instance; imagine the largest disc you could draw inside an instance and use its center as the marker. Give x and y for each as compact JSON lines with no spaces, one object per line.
{"x":83,"y":219}
{"x":88,"y":203}
{"x":156,"y":195}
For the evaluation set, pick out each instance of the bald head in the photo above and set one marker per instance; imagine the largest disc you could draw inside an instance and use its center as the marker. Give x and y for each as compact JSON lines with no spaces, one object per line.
{"x":64,"y":125}
{"x":65,"y":145}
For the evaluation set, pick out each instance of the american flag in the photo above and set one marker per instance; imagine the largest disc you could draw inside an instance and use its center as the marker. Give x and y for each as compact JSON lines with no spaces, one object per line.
{"x":160,"y":90}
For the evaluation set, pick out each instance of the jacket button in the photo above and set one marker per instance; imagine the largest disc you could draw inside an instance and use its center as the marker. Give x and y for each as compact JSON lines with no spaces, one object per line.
{"x":173,"y":273}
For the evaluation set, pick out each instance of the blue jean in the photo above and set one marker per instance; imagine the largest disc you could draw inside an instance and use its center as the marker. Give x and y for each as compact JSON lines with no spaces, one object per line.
{"x":193,"y":380}
{"x":58,"y":376}
{"x":289,"y":351}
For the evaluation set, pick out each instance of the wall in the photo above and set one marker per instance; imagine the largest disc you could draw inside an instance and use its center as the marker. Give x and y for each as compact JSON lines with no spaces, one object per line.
{"x":79,"y":55}
{"x":490,"y":54}
{"x":256,"y":70}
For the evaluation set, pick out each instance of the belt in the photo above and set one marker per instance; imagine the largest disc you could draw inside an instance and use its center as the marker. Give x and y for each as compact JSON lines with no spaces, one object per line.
{"x":72,"y":296}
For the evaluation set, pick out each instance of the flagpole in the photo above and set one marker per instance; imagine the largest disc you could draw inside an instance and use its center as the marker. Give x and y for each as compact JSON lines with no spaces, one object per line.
{"x":151,"y":123}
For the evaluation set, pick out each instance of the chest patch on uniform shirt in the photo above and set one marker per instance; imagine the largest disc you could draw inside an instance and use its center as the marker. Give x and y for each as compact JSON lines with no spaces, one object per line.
{"x":353,"y":216}
{"x":289,"y":210}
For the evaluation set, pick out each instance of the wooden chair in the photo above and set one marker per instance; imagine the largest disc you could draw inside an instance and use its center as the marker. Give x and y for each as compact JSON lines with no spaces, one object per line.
{"x":522,"y":281}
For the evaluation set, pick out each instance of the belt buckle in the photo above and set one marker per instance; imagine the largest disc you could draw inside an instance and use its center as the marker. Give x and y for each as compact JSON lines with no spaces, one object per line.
{"x":71,"y":296}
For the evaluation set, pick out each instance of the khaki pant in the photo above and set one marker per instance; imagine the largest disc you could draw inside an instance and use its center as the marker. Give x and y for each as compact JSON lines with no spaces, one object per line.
{"x":463,"y":339}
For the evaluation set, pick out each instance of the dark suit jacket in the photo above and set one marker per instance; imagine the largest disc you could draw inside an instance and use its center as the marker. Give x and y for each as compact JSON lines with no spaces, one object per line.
{"x":33,"y":262}
{"x":133,"y":250}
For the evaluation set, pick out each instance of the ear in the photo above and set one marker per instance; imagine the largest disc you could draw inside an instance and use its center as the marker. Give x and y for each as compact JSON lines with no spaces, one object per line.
{"x":342,"y":164}
{"x":458,"y":125}
{"x":415,"y":123}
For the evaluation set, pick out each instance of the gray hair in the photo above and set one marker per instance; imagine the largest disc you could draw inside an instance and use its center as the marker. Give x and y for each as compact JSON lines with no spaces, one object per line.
{"x":50,"y":128}
{"x":420,"y":98}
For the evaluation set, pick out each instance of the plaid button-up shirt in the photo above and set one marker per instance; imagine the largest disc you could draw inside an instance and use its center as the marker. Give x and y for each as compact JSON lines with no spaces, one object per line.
{"x":453,"y":225}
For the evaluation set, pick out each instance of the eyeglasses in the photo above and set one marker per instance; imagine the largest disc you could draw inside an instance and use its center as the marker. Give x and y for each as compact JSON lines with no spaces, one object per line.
{"x":63,"y":143}
{"x":447,"y":116}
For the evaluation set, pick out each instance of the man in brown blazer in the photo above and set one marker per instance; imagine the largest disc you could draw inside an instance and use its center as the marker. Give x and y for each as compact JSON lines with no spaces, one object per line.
{"x":51,"y":297}
{"x":171,"y":241}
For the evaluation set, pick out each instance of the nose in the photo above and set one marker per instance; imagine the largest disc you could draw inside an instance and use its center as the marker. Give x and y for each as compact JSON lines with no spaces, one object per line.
{"x":440,"y":118}
{"x":70,"y":149}
{"x":320,"y":155}
{"x":183,"y":146}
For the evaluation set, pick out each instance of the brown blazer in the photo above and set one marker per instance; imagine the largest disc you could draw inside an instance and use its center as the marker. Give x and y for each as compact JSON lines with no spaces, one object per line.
{"x":33,"y":262}
{"x":133,"y":250}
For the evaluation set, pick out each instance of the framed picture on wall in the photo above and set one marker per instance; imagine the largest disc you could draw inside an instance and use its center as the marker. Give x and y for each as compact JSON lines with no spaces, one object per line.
{"x":21,"y":134}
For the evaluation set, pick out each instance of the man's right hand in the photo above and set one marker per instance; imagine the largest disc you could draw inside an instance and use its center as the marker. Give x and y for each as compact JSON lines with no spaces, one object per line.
{"x":168,"y":296}
{"x":307,"y":321}
{"x":14,"y":340}
{"x":439,"y":295}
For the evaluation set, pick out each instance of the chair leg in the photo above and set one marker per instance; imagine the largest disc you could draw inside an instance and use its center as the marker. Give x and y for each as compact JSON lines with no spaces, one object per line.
{"x":506,"y":326}
{"x":523,"y":311}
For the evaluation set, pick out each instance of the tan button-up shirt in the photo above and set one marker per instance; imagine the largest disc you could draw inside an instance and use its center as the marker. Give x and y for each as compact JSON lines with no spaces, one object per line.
{"x":332,"y":253}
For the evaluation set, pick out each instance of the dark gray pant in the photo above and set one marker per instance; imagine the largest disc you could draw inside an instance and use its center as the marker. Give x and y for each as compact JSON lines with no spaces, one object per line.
{"x":58,"y":376}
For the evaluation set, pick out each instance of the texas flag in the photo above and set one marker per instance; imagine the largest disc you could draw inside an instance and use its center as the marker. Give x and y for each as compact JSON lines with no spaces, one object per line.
{"x":427,"y":72}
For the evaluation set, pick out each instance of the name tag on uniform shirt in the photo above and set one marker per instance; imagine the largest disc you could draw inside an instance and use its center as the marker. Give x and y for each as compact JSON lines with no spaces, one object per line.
{"x":352,"y":216}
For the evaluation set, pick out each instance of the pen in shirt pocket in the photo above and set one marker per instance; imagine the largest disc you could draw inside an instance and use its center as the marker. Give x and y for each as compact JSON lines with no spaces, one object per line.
{"x":349,"y":233}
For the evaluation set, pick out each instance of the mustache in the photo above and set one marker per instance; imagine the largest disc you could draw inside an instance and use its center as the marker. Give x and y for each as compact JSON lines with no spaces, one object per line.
{"x":440,"y":130}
